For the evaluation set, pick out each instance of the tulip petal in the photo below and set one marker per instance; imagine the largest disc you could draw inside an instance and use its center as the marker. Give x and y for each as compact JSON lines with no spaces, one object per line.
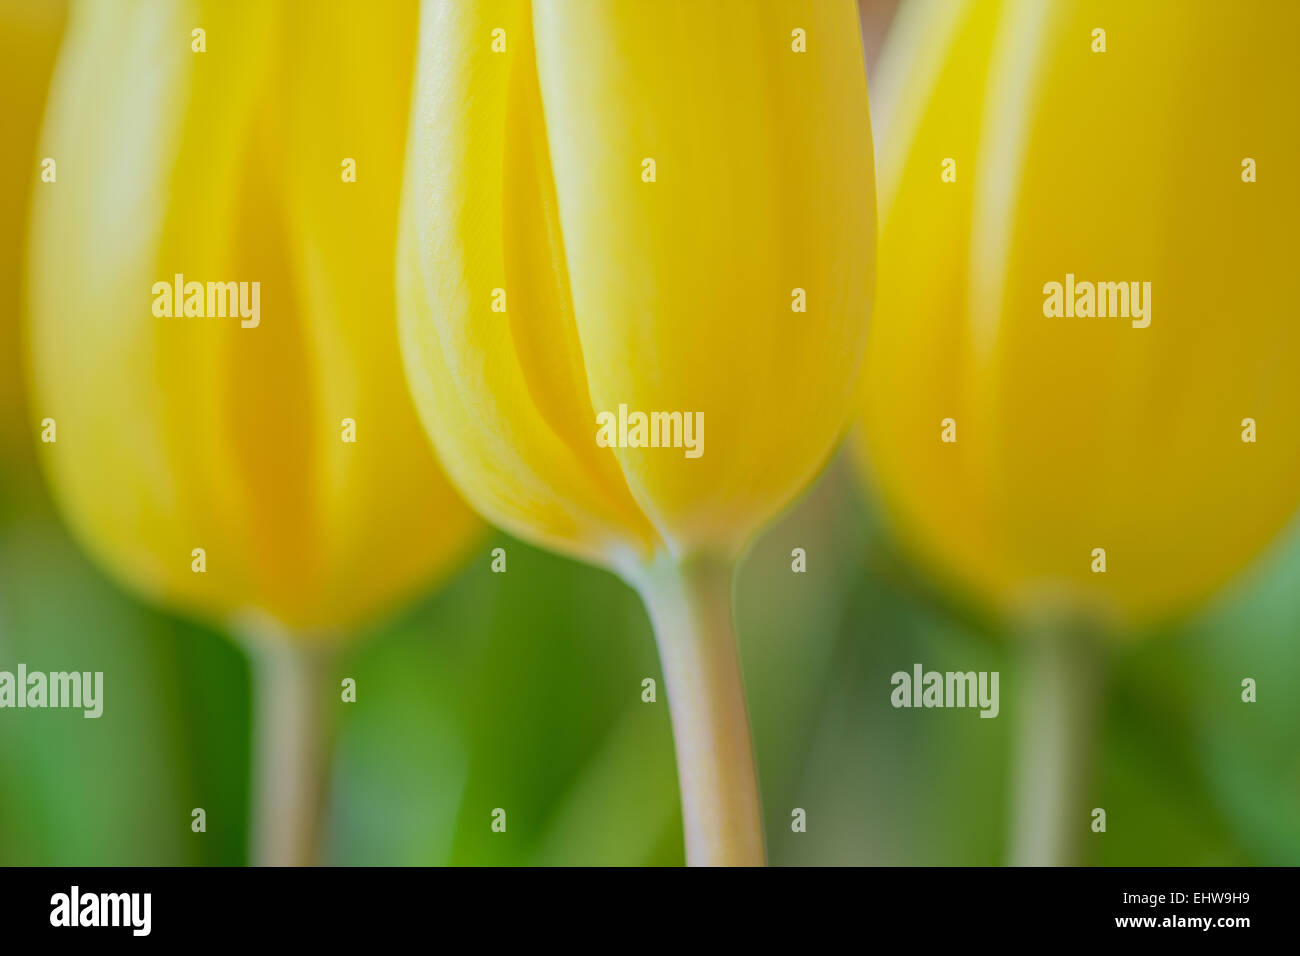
{"x":682,"y":287}
{"x":339,"y":105}
{"x":919,"y":357}
{"x":503,"y":394}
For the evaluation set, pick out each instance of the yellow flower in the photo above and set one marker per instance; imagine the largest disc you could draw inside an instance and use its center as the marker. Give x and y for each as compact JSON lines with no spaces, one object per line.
{"x":634,"y":280}
{"x":209,"y":141}
{"x":1035,"y":154}
{"x":528,"y":175}
{"x":29,"y":36}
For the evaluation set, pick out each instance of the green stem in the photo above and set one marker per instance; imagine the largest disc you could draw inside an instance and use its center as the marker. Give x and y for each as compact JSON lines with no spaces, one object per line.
{"x":292,"y":732}
{"x":690,"y":609}
{"x":1060,"y":683}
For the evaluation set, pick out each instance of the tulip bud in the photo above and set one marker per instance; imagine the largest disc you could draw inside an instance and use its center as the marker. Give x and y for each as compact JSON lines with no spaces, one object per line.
{"x":667,"y":296}
{"x":634,"y":279}
{"x":212,"y":330}
{"x":1085,"y":308}
{"x":211,"y":319}
{"x":29,"y":38}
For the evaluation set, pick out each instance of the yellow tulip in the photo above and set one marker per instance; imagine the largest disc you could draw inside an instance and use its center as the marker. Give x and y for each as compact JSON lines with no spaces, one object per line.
{"x":29,"y":37}
{"x":1119,"y":466}
{"x":209,"y":462}
{"x":621,"y":209}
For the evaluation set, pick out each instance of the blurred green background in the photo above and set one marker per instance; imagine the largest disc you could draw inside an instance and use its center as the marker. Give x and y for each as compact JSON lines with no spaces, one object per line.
{"x":523,"y":691}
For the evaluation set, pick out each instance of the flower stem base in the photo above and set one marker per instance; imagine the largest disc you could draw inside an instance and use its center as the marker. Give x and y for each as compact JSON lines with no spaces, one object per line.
{"x":292,"y":738}
{"x":690,"y":608}
{"x":1061,"y":676}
